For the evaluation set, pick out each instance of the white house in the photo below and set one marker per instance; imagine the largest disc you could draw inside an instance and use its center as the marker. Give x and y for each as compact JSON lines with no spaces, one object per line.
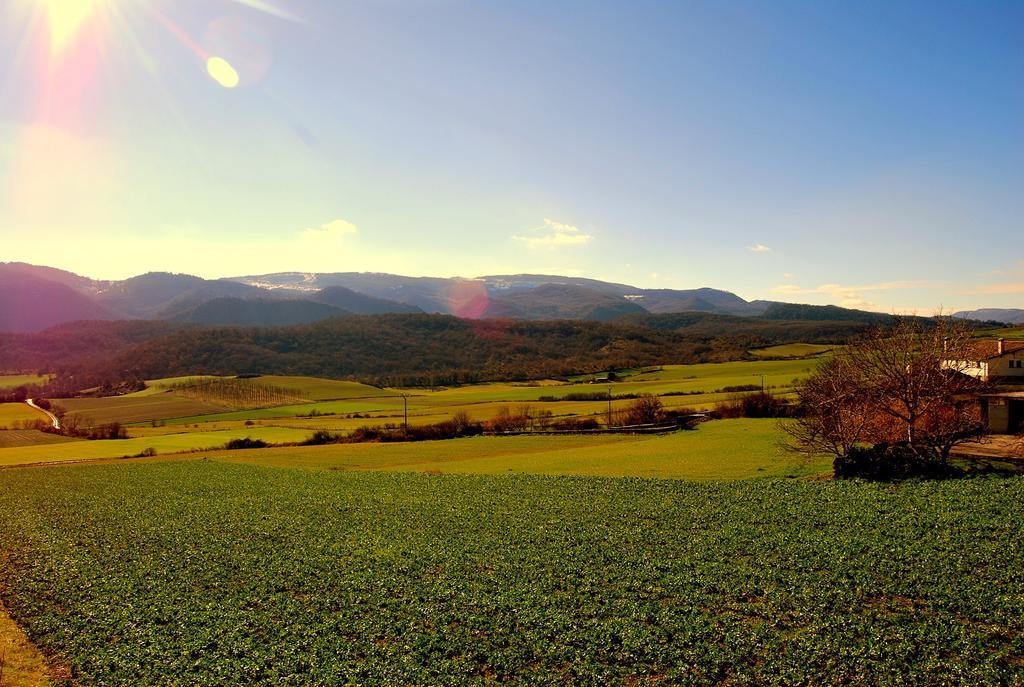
{"x":996,"y":360}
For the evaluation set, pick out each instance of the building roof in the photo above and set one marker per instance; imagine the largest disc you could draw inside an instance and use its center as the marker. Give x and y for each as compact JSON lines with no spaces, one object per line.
{"x":987,"y":350}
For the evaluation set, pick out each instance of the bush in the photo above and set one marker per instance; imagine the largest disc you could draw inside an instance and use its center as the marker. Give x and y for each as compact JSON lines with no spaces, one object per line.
{"x":759,"y":405}
{"x":510,"y":420}
{"x":645,"y":410}
{"x":246,"y":443}
{"x":574,"y":424}
{"x":321,"y":437}
{"x":884,"y":462}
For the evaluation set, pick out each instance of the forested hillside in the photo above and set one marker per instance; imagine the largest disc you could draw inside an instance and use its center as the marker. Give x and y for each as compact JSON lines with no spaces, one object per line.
{"x":396,"y":348}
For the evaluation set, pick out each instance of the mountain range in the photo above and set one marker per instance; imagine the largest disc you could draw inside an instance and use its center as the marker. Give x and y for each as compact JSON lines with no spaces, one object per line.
{"x":33,"y":298}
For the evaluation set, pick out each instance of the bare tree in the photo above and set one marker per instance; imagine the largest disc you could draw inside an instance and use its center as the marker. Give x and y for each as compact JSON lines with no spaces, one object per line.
{"x":908,"y":384}
{"x":646,"y":409}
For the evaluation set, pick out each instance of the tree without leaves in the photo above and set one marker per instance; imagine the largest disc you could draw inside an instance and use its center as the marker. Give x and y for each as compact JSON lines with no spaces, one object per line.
{"x":905,"y":384}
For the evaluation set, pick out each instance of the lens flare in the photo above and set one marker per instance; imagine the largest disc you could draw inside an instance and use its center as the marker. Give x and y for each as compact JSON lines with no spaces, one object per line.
{"x":222,"y":72}
{"x":65,"y":18}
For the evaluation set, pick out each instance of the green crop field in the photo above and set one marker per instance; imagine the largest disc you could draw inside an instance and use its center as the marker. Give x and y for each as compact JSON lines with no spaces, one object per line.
{"x":14,"y":381}
{"x":119,"y":448}
{"x":726,"y":449}
{"x":297,"y":410}
{"x":12,"y":415}
{"x":796,"y":350}
{"x":202,"y":573}
{"x":310,"y":388}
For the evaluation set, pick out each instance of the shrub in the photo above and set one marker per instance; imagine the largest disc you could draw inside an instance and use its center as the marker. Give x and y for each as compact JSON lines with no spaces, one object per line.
{"x":645,"y":410}
{"x":246,"y":443}
{"x":510,"y":420}
{"x":884,"y":462}
{"x":759,"y":405}
{"x":574,"y":424}
{"x":321,"y":437}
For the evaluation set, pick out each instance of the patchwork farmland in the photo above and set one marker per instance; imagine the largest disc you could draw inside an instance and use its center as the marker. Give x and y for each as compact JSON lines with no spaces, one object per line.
{"x":690,"y":558}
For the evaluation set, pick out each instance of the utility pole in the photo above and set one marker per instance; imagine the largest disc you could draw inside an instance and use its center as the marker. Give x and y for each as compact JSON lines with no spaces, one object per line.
{"x":405,"y":410}
{"x":762,"y":382}
{"x":609,"y":407}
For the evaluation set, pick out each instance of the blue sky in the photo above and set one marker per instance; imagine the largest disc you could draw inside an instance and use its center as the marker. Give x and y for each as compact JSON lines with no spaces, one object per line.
{"x":867,"y":154}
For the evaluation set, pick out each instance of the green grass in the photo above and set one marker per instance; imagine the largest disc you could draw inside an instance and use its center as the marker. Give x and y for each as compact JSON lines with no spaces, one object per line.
{"x":297,"y":410}
{"x":167,"y":443}
{"x":726,"y":449}
{"x":14,"y":381}
{"x":1011,"y":333}
{"x":13,"y":414}
{"x":795,"y":350}
{"x":702,"y":378}
{"x":202,"y":573}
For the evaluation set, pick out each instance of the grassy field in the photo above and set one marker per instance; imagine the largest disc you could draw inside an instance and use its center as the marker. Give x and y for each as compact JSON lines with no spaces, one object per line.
{"x":13,"y":414}
{"x":203,"y":573}
{"x":727,"y":449}
{"x":1012,"y":333}
{"x":14,"y":381}
{"x":796,"y":350}
{"x":687,"y":386}
{"x":168,"y":443}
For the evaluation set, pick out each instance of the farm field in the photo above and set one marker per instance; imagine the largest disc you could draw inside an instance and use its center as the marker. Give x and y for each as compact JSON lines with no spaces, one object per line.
{"x":796,"y":350}
{"x":205,"y":573}
{"x":120,"y":448}
{"x":13,"y":414}
{"x":1011,"y":333}
{"x":14,"y":381}
{"x":127,"y":409}
{"x":727,"y":449}
{"x":30,"y":437}
{"x":333,"y":402}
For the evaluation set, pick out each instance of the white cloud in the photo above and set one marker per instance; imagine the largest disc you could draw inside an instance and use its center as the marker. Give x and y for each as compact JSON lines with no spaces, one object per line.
{"x":848,"y":296}
{"x":330,"y":231}
{"x":1008,"y":288}
{"x":555,"y":235}
{"x":759,"y":248}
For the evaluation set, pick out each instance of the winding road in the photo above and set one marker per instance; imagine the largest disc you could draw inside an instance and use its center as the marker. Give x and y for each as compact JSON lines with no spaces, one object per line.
{"x":54,"y":420}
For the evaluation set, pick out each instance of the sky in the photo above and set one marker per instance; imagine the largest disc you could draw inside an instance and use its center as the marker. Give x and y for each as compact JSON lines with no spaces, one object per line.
{"x":866,"y":154}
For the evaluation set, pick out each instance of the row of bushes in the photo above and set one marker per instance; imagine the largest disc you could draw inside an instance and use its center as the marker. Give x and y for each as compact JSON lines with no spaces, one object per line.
{"x":759,"y":405}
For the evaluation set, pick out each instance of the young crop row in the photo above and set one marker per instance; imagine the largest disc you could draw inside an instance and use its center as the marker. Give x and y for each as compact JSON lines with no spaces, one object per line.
{"x":238,"y":394}
{"x":211,"y":574}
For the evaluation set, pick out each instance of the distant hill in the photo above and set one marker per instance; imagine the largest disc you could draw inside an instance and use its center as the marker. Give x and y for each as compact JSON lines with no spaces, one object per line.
{"x":700,"y":300}
{"x":360,"y":303}
{"x":180,"y":297}
{"x":240,"y":312}
{"x":560,"y":302}
{"x":29,"y":303}
{"x":797,"y":311}
{"x":162,"y":295}
{"x":429,"y":294}
{"x":504,"y":291}
{"x":1007,"y":315}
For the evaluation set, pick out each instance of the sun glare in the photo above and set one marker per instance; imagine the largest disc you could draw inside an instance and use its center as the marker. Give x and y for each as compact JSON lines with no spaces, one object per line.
{"x":65,"y":18}
{"x":222,"y":72}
